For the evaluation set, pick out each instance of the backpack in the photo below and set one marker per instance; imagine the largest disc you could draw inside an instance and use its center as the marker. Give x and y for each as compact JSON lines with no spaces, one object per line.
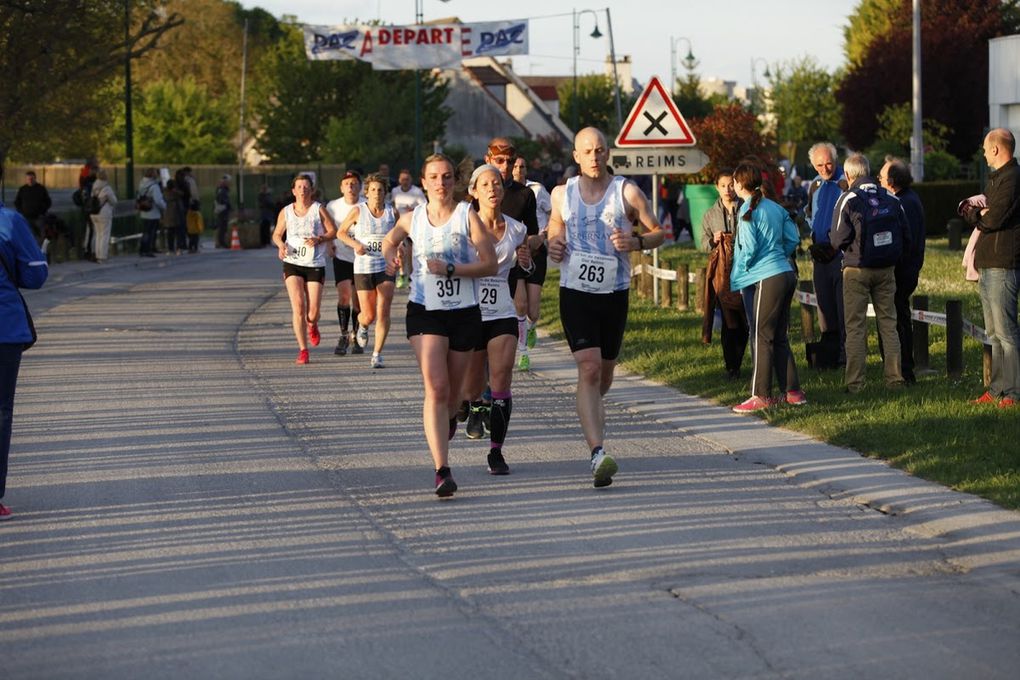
{"x":144,"y":202}
{"x":93,"y":204}
{"x":882,"y":227}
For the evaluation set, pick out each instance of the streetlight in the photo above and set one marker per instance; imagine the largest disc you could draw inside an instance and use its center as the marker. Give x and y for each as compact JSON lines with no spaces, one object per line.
{"x":419,"y":18}
{"x":688,"y":60}
{"x":577,"y":49}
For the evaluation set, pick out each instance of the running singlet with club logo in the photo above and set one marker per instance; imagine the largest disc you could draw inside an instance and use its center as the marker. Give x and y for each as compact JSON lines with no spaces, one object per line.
{"x":301,"y":228}
{"x":591,"y":264}
{"x":450,"y":242}
{"x":494,"y":291}
{"x":371,"y":231}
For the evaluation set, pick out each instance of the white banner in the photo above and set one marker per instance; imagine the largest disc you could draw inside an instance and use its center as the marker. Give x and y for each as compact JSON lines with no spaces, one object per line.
{"x":411,"y":47}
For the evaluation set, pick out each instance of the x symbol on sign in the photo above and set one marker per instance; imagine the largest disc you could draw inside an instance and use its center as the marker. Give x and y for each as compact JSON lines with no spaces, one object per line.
{"x":655,"y":123}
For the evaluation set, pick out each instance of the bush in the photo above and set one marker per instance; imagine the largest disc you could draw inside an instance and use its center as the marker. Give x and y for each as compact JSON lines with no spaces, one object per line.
{"x":941,"y":165}
{"x":940,"y":199}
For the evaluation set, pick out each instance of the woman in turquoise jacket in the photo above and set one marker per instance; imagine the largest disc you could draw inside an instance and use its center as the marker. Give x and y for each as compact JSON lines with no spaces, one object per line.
{"x":766,"y":239}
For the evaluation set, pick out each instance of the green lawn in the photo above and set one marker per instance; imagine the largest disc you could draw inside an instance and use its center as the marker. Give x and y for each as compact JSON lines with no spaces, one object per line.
{"x":929,"y":430}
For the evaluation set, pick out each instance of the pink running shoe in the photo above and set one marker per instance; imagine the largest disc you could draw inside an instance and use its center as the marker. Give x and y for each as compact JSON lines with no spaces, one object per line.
{"x":313,"y":334}
{"x":751,"y":405}
{"x":796,"y":397}
{"x":302,"y":357}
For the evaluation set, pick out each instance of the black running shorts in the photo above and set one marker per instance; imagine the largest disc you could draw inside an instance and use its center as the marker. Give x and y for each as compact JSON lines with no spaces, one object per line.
{"x":495,"y":328}
{"x":370,"y":281}
{"x":463,"y":327}
{"x":594,"y":320}
{"x":342,"y":270}
{"x":309,"y":274}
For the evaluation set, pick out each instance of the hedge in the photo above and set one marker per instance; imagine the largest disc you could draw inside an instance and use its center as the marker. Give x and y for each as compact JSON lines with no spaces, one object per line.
{"x":940,"y":200}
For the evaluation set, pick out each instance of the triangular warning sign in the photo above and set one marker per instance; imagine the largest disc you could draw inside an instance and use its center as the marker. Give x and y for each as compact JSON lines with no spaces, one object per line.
{"x":655,"y":121}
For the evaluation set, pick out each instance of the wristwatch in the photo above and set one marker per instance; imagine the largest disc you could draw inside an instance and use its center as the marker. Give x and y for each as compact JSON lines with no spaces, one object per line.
{"x":640,"y":241}
{"x":449,"y":270}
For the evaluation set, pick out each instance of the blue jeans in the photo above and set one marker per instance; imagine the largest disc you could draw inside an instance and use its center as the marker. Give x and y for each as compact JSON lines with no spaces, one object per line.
{"x":10,"y":362}
{"x":998,"y":289}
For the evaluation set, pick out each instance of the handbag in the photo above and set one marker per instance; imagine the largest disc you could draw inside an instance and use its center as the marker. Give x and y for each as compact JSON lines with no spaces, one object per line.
{"x":28,"y":314}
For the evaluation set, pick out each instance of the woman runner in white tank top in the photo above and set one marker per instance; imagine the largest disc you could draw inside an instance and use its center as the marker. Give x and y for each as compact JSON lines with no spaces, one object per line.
{"x":302,"y":233}
{"x":499,"y":316}
{"x":451,"y":249}
{"x":364,"y":230}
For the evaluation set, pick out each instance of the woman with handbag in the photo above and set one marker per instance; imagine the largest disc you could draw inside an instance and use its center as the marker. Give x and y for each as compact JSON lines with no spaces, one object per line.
{"x":22,"y":265}
{"x":102,"y":222}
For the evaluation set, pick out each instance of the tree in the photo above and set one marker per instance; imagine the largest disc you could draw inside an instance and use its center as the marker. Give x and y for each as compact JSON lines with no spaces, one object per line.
{"x":727,"y":135}
{"x":954,"y":36}
{"x":688,"y":96}
{"x":871,"y":20}
{"x":803,"y":104}
{"x":378,"y":124}
{"x":595,"y":105}
{"x":181,"y":122}
{"x":51,"y":78}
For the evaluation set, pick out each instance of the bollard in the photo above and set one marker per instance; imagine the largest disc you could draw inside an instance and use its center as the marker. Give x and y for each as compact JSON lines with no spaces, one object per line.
{"x":646,"y":279}
{"x":666,"y":287}
{"x":954,"y":339}
{"x":921,"y":358}
{"x":807,"y":314}
{"x":955,"y":230}
{"x":699,"y":289}
{"x":683,"y":290}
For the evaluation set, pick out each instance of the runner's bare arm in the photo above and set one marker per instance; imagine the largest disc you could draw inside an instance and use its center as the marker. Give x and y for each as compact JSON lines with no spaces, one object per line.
{"x":557,"y":231}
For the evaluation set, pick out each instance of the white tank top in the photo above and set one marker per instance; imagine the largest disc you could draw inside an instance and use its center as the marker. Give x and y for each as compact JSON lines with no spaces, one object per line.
{"x":591,"y":263}
{"x":494,"y":291}
{"x":338,"y":210}
{"x":450,"y":242}
{"x":301,"y":228}
{"x":371,"y":231}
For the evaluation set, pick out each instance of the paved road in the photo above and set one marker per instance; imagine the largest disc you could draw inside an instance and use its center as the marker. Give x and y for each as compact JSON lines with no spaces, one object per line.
{"x":191,"y":504}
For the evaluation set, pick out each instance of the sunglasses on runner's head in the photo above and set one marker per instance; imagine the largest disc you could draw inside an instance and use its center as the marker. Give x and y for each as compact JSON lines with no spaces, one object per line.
{"x":507,"y":150}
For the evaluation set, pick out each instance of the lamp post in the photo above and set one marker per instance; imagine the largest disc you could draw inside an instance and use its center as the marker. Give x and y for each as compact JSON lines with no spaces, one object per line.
{"x":577,"y":49}
{"x":916,"y":136}
{"x":419,"y":18}
{"x":754,"y":75}
{"x":688,"y":60}
{"x":129,"y":143}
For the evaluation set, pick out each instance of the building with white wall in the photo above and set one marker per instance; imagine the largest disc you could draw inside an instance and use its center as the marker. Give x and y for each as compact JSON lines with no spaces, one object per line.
{"x":1004,"y":83}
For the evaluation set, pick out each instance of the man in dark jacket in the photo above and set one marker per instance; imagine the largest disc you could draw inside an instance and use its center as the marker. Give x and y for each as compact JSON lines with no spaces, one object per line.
{"x":871,"y":229}
{"x":997,"y":259}
{"x":33,"y":201}
{"x":895,"y":178}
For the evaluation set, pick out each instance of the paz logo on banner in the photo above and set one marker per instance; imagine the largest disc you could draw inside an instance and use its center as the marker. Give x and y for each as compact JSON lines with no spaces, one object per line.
{"x":413,"y":47}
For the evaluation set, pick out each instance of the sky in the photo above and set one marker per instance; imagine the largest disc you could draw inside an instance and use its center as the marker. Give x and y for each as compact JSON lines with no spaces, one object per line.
{"x":725,"y":36}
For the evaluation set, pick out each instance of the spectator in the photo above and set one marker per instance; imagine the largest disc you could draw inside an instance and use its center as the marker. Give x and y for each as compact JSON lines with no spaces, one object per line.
{"x":895,"y":178}
{"x":761,"y":260}
{"x":170,"y":218}
{"x":33,"y":202}
{"x":719,"y":228}
{"x":828,"y":275}
{"x":22,"y":265}
{"x":997,"y":259}
{"x":151,"y":205}
{"x":221,"y":207}
{"x":871,"y":229}
{"x":86,"y":178}
{"x":102,"y":222}
{"x":184,"y":205}
{"x":267,"y":214}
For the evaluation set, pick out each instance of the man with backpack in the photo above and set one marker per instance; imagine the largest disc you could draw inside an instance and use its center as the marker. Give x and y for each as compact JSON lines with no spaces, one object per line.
{"x":150,"y":205}
{"x":871,"y":230}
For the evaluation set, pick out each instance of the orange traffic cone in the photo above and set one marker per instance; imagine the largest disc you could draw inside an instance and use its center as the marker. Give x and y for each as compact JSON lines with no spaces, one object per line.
{"x":235,"y":239}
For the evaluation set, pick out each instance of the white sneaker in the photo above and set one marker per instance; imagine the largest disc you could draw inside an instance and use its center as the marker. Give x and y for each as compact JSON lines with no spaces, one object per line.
{"x":377,"y":361}
{"x":363,"y":336}
{"x":603,"y":467}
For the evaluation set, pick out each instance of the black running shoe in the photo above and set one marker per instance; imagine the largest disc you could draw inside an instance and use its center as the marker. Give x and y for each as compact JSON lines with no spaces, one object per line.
{"x":497,"y":465}
{"x":462,"y":412}
{"x":445,"y":486}
{"x":476,"y":423}
{"x":341,"y":345}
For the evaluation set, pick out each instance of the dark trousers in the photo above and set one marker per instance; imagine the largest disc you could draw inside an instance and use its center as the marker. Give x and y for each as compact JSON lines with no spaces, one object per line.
{"x":10,"y":362}
{"x":148,"y":243}
{"x":906,"y":284}
{"x":828,"y":280}
{"x":734,"y":344}
{"x":222,"y":239}
{"x":772,"y":299}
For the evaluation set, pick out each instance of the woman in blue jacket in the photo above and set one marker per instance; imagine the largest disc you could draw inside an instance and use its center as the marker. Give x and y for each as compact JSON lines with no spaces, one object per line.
{"x":23,"y":266}
{"x":766,"y":238}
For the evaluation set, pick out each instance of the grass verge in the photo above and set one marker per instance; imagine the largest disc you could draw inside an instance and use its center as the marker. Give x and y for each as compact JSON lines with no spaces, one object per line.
{"x":930,"y":430}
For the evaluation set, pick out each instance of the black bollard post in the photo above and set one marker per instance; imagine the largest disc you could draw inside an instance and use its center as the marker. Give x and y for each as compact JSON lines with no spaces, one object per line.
{"x":955,"y":230}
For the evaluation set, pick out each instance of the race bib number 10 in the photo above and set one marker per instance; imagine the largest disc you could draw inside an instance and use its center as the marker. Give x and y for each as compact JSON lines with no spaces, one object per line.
{"x":592,"y":273}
